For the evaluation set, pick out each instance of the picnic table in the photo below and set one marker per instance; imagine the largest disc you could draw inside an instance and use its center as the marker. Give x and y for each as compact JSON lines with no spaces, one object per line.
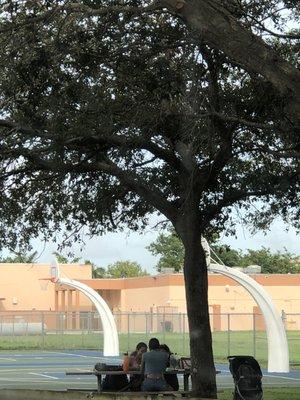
{"x":184,"y":372}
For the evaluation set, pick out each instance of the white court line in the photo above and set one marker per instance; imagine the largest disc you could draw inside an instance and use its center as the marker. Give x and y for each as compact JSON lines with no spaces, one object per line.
{"x":7,"y":359}
{"x":47,"y":382}
{"x":46,"y":376}
{"x":74,"y":355}
{"x":21,"y":380}
{"x":16,"y":370}
{"x":99,"y":358}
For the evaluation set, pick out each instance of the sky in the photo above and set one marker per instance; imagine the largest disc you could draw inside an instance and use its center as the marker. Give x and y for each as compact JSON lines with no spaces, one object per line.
{"x":107,"y":249}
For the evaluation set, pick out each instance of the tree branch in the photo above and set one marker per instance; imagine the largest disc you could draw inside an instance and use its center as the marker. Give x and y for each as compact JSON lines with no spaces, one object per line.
{"x":127,"y":177}
{"x":20,"y":128}
{"x":216,"y":26}
{"x":278,"y":35}
{"x":76,"y":8}
{"x":235,"y":196}
{"x":241,"y":121}
{"x":112,"y":140}
{"x":129,"y":143}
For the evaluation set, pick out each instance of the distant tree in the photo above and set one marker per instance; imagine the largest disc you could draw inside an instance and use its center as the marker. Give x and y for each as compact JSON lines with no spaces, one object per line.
{"x":272,"y":263}
{"x":97,"y":272}
{"x":20,"y":257}
{"x":125,"y":269}
{"x":65,"y":259}
{"x":170,"y":249}
{"x":227,"y":255}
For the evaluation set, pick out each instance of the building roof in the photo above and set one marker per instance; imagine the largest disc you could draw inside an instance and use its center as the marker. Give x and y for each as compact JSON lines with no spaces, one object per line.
{"x":178,"y":280}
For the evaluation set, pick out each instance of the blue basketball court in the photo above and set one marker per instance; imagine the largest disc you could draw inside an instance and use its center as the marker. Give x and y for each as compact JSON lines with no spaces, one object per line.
{"x":46,"y":370}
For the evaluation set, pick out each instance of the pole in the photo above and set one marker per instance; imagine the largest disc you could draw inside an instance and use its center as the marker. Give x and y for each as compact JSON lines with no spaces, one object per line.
{"x":228,"y":334}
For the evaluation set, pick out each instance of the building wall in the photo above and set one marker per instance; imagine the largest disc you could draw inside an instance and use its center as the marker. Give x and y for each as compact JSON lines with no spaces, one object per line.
{"x":22,"y":290}
{"x":163,"y":294}
{"x":231,"y":306}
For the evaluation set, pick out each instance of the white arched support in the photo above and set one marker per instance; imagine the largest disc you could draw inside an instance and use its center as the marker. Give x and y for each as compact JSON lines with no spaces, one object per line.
{"x":110,"y":334}
{"x":278,"y":351}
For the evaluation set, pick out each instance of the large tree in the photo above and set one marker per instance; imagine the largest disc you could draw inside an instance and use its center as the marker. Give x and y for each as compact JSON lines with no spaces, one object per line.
{"x":114,"y":109}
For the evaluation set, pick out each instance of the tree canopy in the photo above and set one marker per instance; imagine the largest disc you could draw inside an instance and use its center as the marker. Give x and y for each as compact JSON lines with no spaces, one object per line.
{"x":125,"y":269}
{"x":89,"y":92}
{"x":170,"y":249}
{"x":20,"y":257}
{"x":65,"y":259}
{"x":272,"y":263}
{"x":114,"y":109}
{"x":119,"y":269}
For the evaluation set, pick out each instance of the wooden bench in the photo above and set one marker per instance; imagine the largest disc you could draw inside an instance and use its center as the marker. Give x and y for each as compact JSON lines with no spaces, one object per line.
{"x":178,"y":393}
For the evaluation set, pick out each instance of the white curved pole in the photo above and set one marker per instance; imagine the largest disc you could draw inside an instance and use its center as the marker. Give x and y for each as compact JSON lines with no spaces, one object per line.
{"x":110,"y":334}
{"x":278,"y":351}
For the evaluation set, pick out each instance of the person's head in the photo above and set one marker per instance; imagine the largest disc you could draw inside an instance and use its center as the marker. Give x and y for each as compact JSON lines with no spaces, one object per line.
{"x":164,"y":347}
{"x":153,"y":344}
{"x":141,"y":348}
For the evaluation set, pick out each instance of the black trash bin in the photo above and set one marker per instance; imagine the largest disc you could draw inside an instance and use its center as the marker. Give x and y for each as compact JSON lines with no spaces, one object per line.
{"x":168,"y":326}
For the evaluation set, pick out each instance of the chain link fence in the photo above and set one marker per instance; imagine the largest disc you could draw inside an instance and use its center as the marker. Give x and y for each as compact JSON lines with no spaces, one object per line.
{"x":232,"y":333}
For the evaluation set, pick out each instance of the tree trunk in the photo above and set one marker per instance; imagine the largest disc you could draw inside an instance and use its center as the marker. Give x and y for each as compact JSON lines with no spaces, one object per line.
{"x":196,"y":286}
{"x":221,"y":30}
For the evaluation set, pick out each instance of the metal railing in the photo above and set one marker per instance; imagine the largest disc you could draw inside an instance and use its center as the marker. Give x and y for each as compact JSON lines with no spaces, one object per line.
{"x":232,"y":333}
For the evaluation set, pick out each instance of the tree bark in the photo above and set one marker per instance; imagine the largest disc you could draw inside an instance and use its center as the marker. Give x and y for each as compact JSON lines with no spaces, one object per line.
{"x":221,"y":30}
{"x":196,"y":286}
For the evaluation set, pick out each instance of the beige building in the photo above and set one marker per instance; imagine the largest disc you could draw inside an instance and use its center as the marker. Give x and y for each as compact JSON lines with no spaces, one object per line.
{"x":21,"y":289}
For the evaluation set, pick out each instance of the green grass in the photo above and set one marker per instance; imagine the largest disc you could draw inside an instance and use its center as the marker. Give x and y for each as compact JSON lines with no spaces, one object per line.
{"x":224,"y":343}
{"x":269,"y":394}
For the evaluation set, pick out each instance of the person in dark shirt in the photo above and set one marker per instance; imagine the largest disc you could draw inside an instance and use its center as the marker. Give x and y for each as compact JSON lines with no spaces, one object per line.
{"x":154,"y":364}
{"x":171,"y":379}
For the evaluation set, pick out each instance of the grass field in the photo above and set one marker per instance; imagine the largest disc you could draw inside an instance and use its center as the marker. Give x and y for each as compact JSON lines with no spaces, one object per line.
{"x":224,"y":343}
{"x":269,"y":394}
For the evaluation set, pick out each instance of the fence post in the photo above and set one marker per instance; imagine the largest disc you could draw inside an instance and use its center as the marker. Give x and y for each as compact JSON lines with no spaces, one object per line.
{"x":128,"y":331}
{"x":89,"y":324}
{"x":254,"y":335}
{"x":183,"y":333}
{"x":228,"y":334}
{"x":43,"y":330}
{"x":62,"y":327}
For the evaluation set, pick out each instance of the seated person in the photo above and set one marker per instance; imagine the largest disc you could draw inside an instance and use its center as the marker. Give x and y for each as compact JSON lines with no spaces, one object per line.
{"x":134,"y":363}
{"x":135,"y":360}
{"x":171,"y":379}
{"x":154,"y":364}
